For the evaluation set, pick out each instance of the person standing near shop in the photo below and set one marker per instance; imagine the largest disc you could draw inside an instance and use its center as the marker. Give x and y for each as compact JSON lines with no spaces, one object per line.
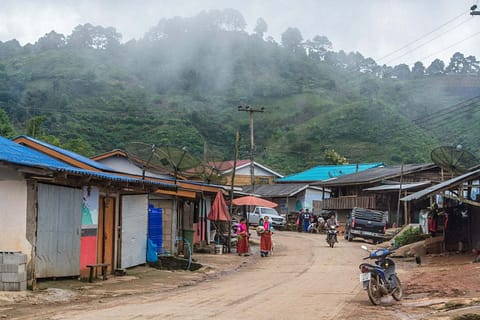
{"x":306,"y":220}
{"x":242,"y":235}
{"x":300,"y":220}
{"x":266,"y":238}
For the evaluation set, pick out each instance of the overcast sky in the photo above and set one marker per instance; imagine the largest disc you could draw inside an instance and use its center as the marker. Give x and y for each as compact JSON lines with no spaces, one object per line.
{"x":389,"y":31}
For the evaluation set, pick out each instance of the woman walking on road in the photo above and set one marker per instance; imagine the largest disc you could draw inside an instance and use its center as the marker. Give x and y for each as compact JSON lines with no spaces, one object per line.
{"x":242,"y":245}
{"x":266,"y":238}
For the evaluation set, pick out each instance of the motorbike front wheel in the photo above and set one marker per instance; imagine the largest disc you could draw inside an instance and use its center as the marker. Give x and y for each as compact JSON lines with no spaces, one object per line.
{"x":332,"y":242}
{"x":398,"y":293}
{"x":374,"y":292}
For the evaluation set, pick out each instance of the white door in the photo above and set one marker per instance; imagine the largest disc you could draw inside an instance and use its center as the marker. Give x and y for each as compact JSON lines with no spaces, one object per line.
{"x":134,"y":213}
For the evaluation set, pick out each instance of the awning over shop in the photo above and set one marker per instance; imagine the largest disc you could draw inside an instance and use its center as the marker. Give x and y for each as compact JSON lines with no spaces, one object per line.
{"x":445,"y":185}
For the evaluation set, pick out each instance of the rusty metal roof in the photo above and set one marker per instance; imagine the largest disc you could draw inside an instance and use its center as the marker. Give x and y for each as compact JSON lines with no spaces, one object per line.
{"x":375,"y":175}
{"x":279,"y":190}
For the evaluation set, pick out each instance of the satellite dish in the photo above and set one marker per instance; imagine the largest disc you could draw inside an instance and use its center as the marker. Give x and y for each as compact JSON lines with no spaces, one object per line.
{"x":141,"y":154}
{"x":176,"y":162}
{"x":162,"y":159}
{"x":335,"y":173}
{"x":453,"y":159}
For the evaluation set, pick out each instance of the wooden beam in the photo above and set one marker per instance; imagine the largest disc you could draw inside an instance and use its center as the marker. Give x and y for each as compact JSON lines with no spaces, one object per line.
{"x":54,"y":154}
{"x":462,"y":199}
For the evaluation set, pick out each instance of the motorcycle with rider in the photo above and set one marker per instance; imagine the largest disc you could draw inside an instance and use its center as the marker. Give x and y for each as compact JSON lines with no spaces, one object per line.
{"x":331,"y":225}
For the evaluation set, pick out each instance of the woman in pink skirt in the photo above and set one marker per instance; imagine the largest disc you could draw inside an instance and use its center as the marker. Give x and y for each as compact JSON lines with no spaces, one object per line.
{"x":242,"y":245}
{"x":266,"y":238}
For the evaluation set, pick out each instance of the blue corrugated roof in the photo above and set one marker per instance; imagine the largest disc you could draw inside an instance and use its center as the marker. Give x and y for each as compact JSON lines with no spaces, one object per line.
{"x":18,"y":154}
{"x":325,"y":172}
{"x":71,"y":154}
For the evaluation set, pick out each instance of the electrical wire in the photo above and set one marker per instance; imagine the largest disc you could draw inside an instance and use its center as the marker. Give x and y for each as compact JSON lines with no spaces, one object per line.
{"x":447,"y":110}
{"x":425,"y":35}
{"x":453,"y":45}
{"x":431,"y":40}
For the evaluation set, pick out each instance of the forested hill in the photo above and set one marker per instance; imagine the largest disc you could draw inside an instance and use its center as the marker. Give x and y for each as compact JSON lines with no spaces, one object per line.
{"x":181,"y":84}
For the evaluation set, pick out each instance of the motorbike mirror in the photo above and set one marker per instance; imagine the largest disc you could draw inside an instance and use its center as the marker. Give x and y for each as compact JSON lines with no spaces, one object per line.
{"x":364,"y":248}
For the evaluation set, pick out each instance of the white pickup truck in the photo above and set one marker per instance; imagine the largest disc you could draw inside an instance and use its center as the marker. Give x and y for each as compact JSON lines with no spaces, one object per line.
{"x":257,"y":217}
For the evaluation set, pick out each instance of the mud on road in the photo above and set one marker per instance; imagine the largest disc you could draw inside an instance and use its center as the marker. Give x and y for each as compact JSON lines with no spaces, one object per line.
{"x":442,"y":287}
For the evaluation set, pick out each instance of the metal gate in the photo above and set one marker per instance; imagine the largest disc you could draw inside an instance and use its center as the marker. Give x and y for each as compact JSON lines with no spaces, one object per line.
{"x":58,"y":231}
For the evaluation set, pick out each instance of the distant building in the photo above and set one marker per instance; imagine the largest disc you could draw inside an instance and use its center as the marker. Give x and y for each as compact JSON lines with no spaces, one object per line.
{"x":224,"y":172}
{"x":326,"y":172}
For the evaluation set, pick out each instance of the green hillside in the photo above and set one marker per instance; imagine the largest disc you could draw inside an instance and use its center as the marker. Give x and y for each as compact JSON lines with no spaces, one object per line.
{"x":182,"y":83}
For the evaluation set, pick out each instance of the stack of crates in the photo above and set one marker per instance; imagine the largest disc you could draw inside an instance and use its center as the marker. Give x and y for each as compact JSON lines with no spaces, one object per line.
{"x":13,"y":273}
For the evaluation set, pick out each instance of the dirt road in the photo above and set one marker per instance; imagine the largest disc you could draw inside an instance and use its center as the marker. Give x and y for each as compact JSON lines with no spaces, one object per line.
{"x":304,"y":279}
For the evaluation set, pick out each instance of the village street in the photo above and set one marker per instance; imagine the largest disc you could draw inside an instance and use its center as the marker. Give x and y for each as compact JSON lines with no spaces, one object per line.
{"x":304,"y":279}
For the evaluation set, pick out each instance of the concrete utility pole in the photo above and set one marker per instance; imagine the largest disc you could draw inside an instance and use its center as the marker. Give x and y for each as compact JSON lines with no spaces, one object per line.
{"x":251,"y":111}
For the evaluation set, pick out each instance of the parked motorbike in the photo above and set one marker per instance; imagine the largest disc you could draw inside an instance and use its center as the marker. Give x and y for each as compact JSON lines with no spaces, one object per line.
{"x":380,"y":279}
{"x":332,"y":235}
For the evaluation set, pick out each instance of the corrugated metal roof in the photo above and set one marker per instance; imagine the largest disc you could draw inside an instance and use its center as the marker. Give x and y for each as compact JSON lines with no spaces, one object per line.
{"x":326,"y":172}
{"x":396,"y":187}
{"x":223,"y":166}
{"x":70,"y":154}
{"x":226,"y":167}
{"x":375,"y":175}
{"x":15,"y":153}
{"x":445,"y":185}
{"x":278,"y":190}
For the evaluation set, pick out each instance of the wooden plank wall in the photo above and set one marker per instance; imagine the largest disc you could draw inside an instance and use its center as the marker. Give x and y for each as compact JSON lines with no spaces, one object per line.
{"x":343,"y":203}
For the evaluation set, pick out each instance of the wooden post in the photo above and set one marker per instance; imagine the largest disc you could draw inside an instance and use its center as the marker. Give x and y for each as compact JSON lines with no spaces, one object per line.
{"x":232,"y":185}
{"x":399,"y":196}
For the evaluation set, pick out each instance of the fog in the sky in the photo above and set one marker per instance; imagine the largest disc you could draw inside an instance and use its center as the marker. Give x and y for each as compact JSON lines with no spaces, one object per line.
{"x":389,"y":31}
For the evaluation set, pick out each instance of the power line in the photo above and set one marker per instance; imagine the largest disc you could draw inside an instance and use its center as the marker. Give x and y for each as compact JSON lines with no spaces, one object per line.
{"x":431,"y":40}
{"x":453,"y":117}
{"x":453,"y":45}
{"x":444,"y":118}
{"x":448,"y":110}
{"x":425,"y":35}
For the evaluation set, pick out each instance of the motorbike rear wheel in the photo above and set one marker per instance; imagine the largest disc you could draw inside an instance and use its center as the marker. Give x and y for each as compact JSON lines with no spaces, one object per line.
{"x":398,"y":293}
{"x":374,"y":291}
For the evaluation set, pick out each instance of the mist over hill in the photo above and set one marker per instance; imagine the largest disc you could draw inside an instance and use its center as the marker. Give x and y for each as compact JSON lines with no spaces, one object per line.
{"x":180,"y":85}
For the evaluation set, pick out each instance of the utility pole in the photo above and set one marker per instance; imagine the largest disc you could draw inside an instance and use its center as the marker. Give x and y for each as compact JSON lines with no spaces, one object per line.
{"x":232,"y":186}
{"x":473,"y":10}
{"x":251,"y":111}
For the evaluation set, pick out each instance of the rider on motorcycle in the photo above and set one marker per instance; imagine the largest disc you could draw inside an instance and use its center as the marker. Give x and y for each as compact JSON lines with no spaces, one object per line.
{"x":331,"y":222}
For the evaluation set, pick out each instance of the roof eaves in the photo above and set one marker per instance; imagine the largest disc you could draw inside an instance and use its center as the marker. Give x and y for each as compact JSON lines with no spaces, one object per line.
{"x":442,"y":186}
